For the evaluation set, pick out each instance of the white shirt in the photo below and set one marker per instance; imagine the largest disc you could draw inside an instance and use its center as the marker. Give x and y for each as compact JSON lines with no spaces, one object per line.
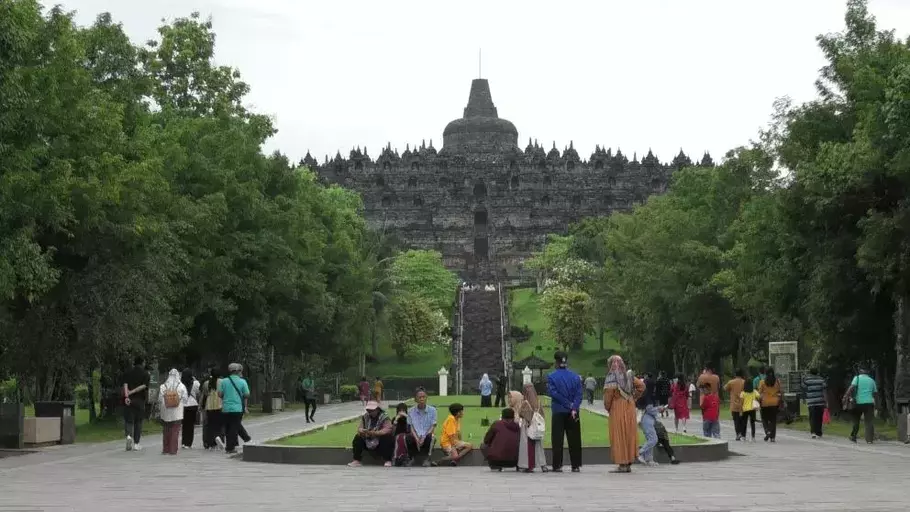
{"x":192,"y":399}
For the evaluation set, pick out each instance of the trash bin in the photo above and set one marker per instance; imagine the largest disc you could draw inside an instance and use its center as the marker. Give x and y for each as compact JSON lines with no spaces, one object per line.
{"x":12,"y":425}
{"x":66,"y":411}
{"x":273,"y":401}
{"x":903,"y":419}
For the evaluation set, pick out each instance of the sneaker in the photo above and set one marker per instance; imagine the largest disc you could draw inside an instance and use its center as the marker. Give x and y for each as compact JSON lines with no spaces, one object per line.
{"x":387,"y":464}
{"x":814,"y":436}
{"x":674,"y":461}
{"x":642,"y":460}
{"x":653,"y":463}
{"x":129,"y":443}
{"x":220,"y":443}
{"x":137,"y":447}
{"x":427,"y":464}
{"x":576,"y":469}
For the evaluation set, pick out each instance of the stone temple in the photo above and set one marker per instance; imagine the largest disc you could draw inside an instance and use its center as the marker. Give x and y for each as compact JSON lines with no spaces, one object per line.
{"x":486,"y":205}
{"x":481,"y":200}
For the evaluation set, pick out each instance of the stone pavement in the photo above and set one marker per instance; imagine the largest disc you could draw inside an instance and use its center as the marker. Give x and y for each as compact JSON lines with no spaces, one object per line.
{"x":793,"y":474}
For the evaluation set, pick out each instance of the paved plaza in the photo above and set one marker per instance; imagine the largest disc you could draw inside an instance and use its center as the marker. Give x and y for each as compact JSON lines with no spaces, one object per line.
{"x":796,"y":474}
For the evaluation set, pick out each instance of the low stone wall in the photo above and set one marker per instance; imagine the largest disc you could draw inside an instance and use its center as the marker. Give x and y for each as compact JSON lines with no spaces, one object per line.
{"x":706,"y":452}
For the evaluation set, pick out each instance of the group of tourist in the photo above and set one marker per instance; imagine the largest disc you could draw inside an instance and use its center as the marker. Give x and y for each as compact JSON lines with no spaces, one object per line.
{"x":368,"y":392}
{"x":222,"y":402}
{"x":516,"y":439}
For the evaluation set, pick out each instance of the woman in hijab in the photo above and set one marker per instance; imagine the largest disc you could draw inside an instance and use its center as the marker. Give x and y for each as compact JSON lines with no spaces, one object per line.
{"x":486,"y":391}
{"x":530,"y":451}
{"x":171,"y":397}
{"x":621,"y":389}
{"x":190,"y":408}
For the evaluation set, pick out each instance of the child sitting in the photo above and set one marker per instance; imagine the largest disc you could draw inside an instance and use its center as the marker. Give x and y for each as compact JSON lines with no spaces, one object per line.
{"x":710,"y":414}
{"x":400,"y":423}
{"x":452,"y":444}
{"x":500,"y":444}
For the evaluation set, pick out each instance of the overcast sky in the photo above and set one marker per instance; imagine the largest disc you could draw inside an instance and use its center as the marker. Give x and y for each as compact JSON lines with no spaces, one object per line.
{"x":662,"y":74}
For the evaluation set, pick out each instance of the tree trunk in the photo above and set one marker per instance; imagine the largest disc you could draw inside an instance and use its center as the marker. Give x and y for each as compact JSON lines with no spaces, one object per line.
{"x":600,"y":337}
{"x":901,"y":348}
{"x":374,"y":340}
{"x":92,"y":414}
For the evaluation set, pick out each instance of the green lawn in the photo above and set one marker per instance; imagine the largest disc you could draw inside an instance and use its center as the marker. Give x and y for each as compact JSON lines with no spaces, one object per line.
{"x":524,"y":311}
{"x":594,"y":427}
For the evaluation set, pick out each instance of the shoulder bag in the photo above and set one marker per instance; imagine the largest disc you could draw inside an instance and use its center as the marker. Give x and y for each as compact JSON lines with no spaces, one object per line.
{"x":238,"y":391}
{"x":849,"y":401}
{"x":537,"y":427}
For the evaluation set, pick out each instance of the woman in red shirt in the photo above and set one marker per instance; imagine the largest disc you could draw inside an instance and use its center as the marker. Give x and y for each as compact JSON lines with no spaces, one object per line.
{"x":679,"y":401}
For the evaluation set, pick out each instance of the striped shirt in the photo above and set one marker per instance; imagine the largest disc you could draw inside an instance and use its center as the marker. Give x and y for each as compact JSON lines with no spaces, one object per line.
{"x":814,"y":388}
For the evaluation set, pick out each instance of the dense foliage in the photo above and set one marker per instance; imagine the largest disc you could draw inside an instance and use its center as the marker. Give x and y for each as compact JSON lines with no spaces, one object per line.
{"x":803,"y":235}
{"x":138,"y":214}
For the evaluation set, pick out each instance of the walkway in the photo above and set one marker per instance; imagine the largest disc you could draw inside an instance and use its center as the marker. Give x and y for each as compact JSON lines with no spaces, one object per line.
{"x":793,"y":474}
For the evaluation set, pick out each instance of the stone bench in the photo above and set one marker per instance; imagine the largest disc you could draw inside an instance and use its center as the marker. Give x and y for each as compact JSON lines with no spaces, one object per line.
{"x":40,"y":431}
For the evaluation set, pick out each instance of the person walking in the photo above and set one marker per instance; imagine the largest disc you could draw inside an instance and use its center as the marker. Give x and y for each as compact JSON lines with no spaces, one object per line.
{"x":364,"y":389}
{"x":190,"y":408}
{"x":501,"y":390}
{"x":864,"y":392}
{"x":663,"y":393}
{"x":171,"y":397}
{"x":649,"y":413}
{"x":564,"y":388}
{"x":486,"y":391}
{"x":750,"y":403}
{"x":814,"y":388}
{"x":308,"y":385}
{"x":377,"y":390}
{"x":769,"y":391}
{"x":212,"y":423}
{"x":136,"y":383}
{"x":590,"y":386}
{"x":621,"y":389}
{"x":681,"y":397}
{"x":734,"y":389}
{"x":234,"y":392}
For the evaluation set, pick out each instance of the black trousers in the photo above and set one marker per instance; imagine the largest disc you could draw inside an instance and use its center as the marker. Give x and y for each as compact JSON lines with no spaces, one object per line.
{"x":738,"y":425}
{"x":867,"y":412}
{"x":500,"y":399}
{"x":214,"y":427}
{"x":566,"y":427}
{"x":309,"y":406}
{"x":424,"y":450}
{"x":590,"y":393}
{"x":189,"y":425}
{"x":385,"y":449}
{"x":747,"y":418}
{"x":816,"y":415}
{"x":486,"y":401}
{"x":233,"y":422}
{"x":665,"y":444}
{"x":133,"y":417}
{"x":769,"y":420}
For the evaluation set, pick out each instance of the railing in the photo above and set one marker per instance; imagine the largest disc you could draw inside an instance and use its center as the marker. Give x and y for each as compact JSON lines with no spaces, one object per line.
{"x":458,"y":341}
{"x":506,"y":347}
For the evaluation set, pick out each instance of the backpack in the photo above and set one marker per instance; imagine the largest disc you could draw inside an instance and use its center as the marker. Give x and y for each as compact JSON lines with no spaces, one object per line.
{"x":171,"y":398}
{"x":538,"y":427}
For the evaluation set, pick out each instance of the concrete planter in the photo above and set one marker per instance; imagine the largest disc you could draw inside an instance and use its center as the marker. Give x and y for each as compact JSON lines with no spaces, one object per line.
{"x":12,"y":426}
{"x":706,"y":452}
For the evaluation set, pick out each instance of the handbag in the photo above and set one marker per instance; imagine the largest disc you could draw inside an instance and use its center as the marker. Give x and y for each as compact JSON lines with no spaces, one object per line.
{"x":849,"y":401}
{"x":826,"y":417}
{"x":538,"y":427}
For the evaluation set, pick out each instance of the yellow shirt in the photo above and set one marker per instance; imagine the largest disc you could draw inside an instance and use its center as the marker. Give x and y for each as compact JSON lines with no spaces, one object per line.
{"x":451,"y":429}
{"x":770,"y":395}
{"x":749,"y":400}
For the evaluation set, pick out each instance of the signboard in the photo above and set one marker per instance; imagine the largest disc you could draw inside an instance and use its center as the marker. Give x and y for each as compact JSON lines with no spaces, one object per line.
{"x":784,"y":358}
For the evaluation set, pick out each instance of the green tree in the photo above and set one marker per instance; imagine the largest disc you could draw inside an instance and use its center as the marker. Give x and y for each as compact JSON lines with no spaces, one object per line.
{"x":569,"y":311}
{"x":422,"y":273}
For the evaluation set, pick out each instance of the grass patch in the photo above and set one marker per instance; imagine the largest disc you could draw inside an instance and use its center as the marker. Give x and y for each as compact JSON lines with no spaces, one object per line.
{"x":594,"y":428}
{"x":524,"y":311}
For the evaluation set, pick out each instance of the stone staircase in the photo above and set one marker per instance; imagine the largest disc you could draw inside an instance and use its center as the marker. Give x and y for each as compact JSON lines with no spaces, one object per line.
{"x":481,"y":336}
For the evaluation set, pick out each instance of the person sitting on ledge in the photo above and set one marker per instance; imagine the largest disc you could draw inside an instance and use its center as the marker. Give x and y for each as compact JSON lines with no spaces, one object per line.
{"x":500,"y":444}
{"x":374,"y":433}
{"x":451,"y":442}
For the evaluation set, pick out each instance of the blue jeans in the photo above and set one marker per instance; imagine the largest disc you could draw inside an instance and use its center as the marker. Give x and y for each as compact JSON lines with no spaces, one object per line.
{"x":647,"y":427}
{"x":711,"y":428}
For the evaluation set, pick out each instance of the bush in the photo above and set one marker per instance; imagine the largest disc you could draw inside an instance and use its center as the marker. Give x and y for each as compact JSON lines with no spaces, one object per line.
{"x":349,"y":393}
{"x":8,"y":390}
{"x":82,"y":401}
